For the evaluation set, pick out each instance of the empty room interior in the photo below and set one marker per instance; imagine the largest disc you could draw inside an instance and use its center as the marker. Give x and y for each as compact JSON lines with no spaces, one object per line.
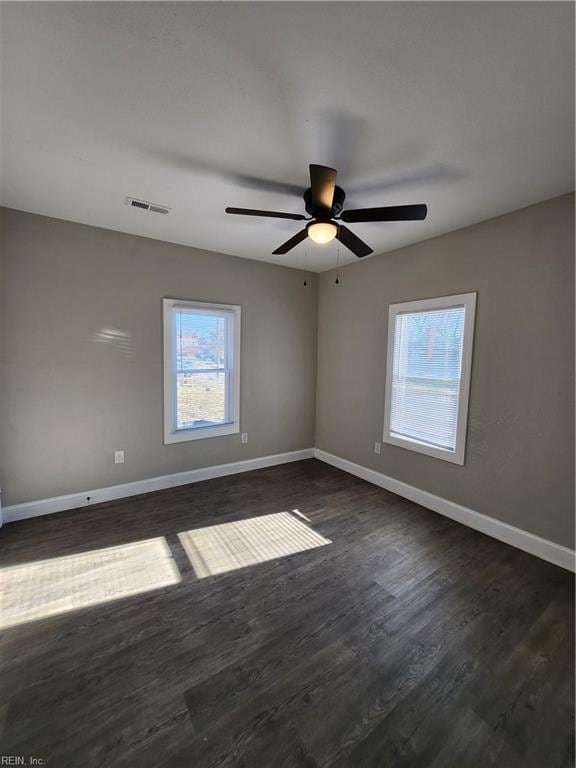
{"x":287,"y":384}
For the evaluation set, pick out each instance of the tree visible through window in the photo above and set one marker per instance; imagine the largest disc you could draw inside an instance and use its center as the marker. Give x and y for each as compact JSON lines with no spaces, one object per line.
{"x":201,"y":369}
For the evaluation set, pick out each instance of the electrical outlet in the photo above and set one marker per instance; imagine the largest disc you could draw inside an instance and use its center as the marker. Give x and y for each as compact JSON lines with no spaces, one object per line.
{"x":377,"y":447}
{"x":244,"y":437}
{"x":118,"y":457}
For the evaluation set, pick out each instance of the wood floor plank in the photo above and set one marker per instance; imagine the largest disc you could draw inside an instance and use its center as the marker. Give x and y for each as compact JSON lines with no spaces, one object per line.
{"x":410,"y":640}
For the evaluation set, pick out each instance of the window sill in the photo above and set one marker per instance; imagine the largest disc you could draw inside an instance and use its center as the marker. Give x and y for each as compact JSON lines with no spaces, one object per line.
{"x":455,"y":457}
{"x":201,"y":433}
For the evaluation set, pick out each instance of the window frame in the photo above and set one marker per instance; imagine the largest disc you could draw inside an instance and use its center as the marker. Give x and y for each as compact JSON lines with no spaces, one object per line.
{"x":468,"y":301}
{"x":232,"y":370}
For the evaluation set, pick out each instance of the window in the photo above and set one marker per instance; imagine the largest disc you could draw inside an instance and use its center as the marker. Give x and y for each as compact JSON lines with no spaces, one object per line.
{"x":201,"y":370}
{"x":428,"y":375}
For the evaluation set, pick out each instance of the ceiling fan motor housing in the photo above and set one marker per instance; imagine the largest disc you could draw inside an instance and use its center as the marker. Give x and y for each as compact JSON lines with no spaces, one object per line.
{"x":319,"y":212}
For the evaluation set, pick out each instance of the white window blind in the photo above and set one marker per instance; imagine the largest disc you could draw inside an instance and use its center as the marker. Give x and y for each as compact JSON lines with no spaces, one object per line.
{"x":428,"y":375}
{"x":201,"y":370}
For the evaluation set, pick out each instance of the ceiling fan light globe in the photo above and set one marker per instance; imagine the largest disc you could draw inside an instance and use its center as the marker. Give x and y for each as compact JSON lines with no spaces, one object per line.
{"x":322,"y":232}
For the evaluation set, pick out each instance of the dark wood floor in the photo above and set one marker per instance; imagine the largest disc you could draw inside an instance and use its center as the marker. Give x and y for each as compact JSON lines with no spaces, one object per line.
{"x":409,"y":641}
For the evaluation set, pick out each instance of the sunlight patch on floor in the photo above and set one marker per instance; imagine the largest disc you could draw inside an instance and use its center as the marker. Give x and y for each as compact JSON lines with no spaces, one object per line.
{"x":48,"y":587}
{"x":229,"y":546}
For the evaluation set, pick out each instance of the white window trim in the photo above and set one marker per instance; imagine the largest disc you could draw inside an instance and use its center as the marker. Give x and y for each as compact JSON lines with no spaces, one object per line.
{"x":198,"y":433}
{"x":468,"y":301}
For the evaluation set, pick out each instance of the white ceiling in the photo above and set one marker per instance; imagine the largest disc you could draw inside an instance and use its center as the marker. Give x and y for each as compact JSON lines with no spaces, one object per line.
{"x":468,"y":107}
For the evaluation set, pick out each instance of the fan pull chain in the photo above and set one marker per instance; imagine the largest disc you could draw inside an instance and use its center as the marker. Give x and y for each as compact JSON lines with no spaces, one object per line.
{"x":337,"y":281}
{"x":305,"y":260}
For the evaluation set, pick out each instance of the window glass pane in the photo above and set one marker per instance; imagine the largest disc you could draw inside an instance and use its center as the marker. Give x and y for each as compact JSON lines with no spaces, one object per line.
{"x":200,"y":340}
{"x":201,"y":362}
{"x":426,"y":375}
{"x":201,"y":399}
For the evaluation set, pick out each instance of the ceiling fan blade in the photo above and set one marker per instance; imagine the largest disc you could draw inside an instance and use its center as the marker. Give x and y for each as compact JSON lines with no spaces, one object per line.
{"x":322,"y":185}
{"x":352,"y":242}
{"x":388,"y":213}
{"x":268,"y":214}
{"x":289,"y":244}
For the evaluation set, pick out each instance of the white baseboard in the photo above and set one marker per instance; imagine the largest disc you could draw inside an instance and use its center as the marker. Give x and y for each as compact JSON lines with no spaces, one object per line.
{"x":74,"y":500}
{"x":516,"y":537}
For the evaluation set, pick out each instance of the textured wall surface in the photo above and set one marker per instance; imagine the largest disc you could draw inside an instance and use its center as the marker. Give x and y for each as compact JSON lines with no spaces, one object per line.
{"x":520,"y":448}
{"x":81,"y":314}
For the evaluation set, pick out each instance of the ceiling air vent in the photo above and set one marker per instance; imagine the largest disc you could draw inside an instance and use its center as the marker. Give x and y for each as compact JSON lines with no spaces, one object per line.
{"x":146,"y":206}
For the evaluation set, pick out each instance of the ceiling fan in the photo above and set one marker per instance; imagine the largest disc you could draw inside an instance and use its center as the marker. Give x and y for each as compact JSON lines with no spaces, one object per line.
{"x":323,"y":200}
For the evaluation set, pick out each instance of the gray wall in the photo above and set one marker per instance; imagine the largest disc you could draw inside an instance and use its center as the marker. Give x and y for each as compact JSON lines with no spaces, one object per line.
{"x":520,"y":450}
{"x":70,"y":399}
